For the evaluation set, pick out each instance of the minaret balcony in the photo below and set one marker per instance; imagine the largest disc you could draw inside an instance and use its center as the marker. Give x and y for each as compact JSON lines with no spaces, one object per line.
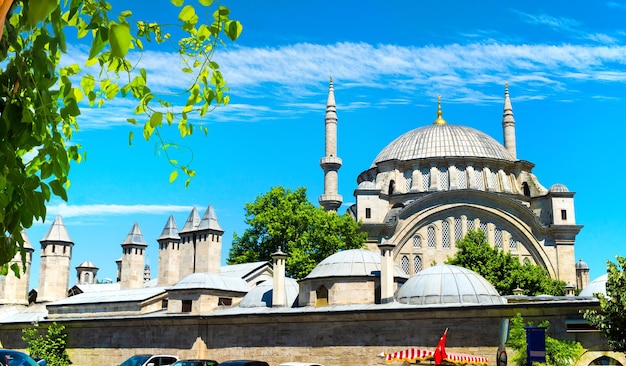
{"x":330,"y":163}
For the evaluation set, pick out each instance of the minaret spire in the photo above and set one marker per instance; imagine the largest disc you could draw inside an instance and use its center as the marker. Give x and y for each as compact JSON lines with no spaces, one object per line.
{"x":331,"y":200}
{"x":439,"y":120}
{"x":508,"y":124}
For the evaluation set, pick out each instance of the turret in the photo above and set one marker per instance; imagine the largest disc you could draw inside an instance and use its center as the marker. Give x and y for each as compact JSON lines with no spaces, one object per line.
{"x":331,"y":200}
{"x":86,"y":273}
{"x":133,"y":253}
{"x":169,"y":254}
{"x":188,"y":244}
{"x":54,"y":269}
{"x":14,"y":290}
{"x":209,"y":243}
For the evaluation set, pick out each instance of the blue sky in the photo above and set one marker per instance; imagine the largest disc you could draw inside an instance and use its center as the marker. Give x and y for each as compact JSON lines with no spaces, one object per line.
{"x":565,"y":63}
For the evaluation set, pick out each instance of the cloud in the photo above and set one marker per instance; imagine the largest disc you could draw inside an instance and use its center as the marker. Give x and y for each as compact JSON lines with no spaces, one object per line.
{"x":111,"y":209}
{"x":558,"y":24}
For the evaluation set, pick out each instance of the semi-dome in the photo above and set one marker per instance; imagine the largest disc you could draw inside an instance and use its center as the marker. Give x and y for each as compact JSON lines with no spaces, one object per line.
{"x":443,"y":140}
{"x":352,"y":262}
{"x":448,"y":285}
{"x":262,"y":294}
{"x":596,"y":286}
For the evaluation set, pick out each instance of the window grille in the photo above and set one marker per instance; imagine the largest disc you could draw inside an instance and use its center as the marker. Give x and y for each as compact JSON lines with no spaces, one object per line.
{"x":478,"y":179}
{"x":493,"y":180}
{"x":443,"y":178}
{"x":445,"y":234}
{"x":497,"y":236}
{"x":417,"y":242}
{"x":417,"y":263}
{"x":483,"y":227}
{"x":512,"y":244}
{"x":404,"y":262}
{"x":462,"y":178}
{"x":431,"y":237}
{"x":425,"y":179}
{"x":408,"y":180}
{"x":458,"y":229}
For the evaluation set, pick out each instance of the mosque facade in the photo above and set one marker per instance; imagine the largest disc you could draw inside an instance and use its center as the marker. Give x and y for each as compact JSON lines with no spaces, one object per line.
{"x":421,"y":194}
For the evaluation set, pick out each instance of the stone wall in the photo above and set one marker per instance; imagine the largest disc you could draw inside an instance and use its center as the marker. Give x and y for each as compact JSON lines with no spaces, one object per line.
{"x":330,"y":336}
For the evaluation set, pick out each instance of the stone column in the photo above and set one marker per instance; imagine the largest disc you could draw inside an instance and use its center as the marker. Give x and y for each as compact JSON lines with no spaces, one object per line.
{"x":386,"y":272}
{"x":278,"y":289}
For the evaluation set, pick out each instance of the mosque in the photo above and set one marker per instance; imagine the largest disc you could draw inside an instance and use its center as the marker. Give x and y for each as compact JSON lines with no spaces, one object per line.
{"x":423,"y":192}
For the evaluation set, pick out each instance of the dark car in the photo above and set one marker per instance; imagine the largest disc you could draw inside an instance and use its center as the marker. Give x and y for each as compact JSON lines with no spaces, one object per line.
{"x":244,"y":363}
{"x":15,"y":358}
{"x":196,"y":363}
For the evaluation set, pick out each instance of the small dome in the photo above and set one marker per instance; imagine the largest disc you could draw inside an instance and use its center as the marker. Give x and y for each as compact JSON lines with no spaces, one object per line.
{"x":211,"y":281}
{"x":449,"y":285}
{"x":443,"y":140}
{"x":353,"y":262}
{"x":581,"y":265}
{"x":596,"y":286}
{"x":86,"y":264}
{"x":262,"y":294}
{"x":366,"y":184}
{"x":559,"y":188}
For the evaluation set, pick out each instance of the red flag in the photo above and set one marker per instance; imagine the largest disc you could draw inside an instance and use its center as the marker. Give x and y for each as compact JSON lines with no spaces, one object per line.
{"x":440,"y":351}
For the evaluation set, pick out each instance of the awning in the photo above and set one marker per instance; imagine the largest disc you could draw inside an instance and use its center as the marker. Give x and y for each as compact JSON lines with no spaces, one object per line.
{"x":415,"y":355}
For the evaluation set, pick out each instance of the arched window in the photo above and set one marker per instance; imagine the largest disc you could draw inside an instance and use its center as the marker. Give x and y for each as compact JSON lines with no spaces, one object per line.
{"x":321,"y":296}
{"x":417,"y":263}
{"x":458,"y":229}
{"x":392,"y":187}
{"x":483,"y":227}
{"x":86,"y":278}
{"x":497,"y":237}
{"x":526,"y":261}
{"x":526,"y":189}
{"x":493,"y":180}
{"x":605,"y":360}
{"x":404,"y":263}
{"x":430,"y":237}
{"x":417,"y":242}
{"x":512,"y":245}
{"x":445,"y":234}
{"x":462,"y":179}
{"x":479,"y":180}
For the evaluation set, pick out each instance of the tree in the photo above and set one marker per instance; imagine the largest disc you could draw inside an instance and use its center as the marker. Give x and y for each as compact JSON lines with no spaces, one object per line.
{"x":41,"y":97}
{"x":610,"y":319}
{"x":50,"y":347}
{"x":284,"y":219}
{"x":558,"y":352}
{"x":504,"y":271}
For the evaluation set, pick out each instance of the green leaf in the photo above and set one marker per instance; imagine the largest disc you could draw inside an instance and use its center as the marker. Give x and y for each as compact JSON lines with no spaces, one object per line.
{"x":131,"y":135}
{"x":188,"y":14}
{"x":178,"y":3}
{"x":206,"y":2}
{"x":156,"y":119}
{"x":173,"y":175}
{"x":58,"y":190}
{"x":233,"y":29}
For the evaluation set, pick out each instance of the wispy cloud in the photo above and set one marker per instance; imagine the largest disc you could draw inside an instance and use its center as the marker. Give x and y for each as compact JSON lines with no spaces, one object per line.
{"x":111,"y":209}
{"x":558,"y":24}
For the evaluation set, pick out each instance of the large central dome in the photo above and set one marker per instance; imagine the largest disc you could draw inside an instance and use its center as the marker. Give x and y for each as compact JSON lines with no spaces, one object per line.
{"x":443,"y":140}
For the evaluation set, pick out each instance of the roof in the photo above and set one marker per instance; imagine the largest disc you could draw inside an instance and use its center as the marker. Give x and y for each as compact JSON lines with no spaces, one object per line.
{"x":209,"y":220}
{"x":211,"y":281}
{"x":446,"y":285}
{"x":596,"y":286}
{"x":242,"y":270}
{"x":262,"y":294}
{"x":170,"y":231}
{"x":135,"y":236}
{"x":353,"y":262}
{"x":443,"y":140}
{"x":139,"y":294}
{"x":192,"y":222}
{"x":57,"y":232}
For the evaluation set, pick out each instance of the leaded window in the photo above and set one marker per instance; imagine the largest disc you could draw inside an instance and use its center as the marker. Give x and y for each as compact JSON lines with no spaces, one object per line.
{"x":462,"y":179}
{"x":493,"y":180}
{"x":458,"y":229}
{"x":478,"y":179}
{"x":443,"y":178}
{"x":431,"y":237}
{"x":417,"y":242}
{"x":512,"y":245}
{"x":445,"y":234}
{"x":483,"y":227}
{"x":497,"y":237}
{"x":417,"y":263}
{"x":404,"y":263}
{"x":425,"y":179}
{"x":408,"y":180}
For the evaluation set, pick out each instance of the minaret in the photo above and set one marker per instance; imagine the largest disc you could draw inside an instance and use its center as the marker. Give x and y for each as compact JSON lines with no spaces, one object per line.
{"x":13,"y":290}
{"x":331,"y":200}
{"x":169,"y":254}
{"x":208,"y":256}
{"x":54,"y":269}
{"x":133,"y":253}
{"x":188,"y":244}
{"x":508,"y":124}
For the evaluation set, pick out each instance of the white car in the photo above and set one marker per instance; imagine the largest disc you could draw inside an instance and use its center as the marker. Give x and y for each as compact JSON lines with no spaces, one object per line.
{"x":150,"y":360}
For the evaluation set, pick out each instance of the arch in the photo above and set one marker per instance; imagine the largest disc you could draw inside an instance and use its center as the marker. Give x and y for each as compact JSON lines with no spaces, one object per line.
{"x":321,"y":296}
{"x":589,"y":357}
{"x":507,"y":214}
{"x":392,"y":187}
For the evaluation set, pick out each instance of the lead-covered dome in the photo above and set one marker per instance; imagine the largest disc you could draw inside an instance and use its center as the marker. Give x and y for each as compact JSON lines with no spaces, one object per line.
{"x":352,"y":262}
{"x":448,"y":285}
{"x":443,"y":140}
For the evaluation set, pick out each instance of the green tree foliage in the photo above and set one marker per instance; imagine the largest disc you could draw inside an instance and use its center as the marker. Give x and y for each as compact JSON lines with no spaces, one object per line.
{"x":50,"y":347}
{"x":558,"y":352}
{"x":41,"y":95}
{"x":286,"y":219}
{"x":503,"y":270}
{"x":610,"y":319}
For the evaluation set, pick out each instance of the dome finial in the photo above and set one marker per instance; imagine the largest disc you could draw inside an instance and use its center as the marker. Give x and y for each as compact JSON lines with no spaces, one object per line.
{"x":439,"y":120}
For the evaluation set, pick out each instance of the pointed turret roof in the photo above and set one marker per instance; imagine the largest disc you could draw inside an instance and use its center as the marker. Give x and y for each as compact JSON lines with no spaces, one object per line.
{"x":209,"y":220}
{"x":27,"y":244}
{"x":331,"y":106}
{"x":507,"y":115}
{"x":57,"y":232}
{"x":193,"y":221}
{"x":135,"y":237}
{"x":170,"y":231}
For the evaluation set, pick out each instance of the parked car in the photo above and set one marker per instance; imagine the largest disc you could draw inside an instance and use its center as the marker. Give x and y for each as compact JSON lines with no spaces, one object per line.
{"x":300,"y":364}
{"x":195,"y":363}
{"x":15,"y":358}
{"x":244,"y":363}
{"x":149,"y":360}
